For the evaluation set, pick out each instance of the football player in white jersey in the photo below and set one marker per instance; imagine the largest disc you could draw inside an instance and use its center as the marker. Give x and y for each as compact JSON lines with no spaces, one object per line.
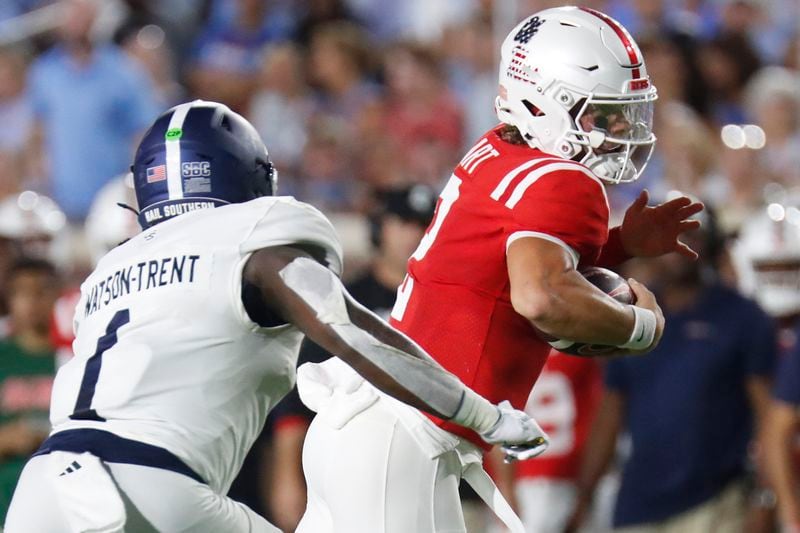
{"x":188,"y":333}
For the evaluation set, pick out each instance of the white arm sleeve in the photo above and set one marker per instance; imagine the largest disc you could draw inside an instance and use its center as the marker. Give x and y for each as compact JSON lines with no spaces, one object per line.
{"x":423,"y":377}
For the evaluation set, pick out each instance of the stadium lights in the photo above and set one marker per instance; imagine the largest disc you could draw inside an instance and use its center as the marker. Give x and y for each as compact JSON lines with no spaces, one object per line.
{"x":793,"y":216}
{"x":776,"y":212}
{"x":737,"y":137}
{"x":27,"y":200}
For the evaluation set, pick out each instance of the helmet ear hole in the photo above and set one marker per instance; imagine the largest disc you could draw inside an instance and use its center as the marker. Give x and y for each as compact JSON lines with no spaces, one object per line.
{"x":532,"y":109}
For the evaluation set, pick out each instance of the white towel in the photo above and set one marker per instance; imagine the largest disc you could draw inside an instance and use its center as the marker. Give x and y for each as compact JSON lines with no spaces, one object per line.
{"x":334,"y":391}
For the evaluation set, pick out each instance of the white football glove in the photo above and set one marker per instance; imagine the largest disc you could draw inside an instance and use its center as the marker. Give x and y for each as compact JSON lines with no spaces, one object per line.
{"x":518,"y":434}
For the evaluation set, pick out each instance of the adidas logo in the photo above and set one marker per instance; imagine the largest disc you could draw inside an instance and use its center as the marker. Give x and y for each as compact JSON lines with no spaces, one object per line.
{"x":71,"y":468}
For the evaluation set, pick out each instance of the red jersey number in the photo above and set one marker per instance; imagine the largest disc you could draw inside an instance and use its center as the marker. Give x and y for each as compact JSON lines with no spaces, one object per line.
{"x":552,"y":404}
{"x":446,"y":200}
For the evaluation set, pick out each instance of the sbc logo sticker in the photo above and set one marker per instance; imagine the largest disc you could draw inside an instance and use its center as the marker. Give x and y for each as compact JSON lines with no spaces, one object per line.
{"x":196,"y":169}
{"x":173,"y":134}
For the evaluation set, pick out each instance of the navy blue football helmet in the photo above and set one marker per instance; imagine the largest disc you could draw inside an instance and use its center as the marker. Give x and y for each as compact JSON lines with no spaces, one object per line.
{"x":199,"y":155}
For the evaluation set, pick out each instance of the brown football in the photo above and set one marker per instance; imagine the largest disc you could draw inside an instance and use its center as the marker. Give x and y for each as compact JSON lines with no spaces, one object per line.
{"x":615,"y":286}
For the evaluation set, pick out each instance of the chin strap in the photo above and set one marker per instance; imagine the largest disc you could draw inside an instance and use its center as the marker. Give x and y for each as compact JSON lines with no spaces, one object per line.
{"x":129,"y":208}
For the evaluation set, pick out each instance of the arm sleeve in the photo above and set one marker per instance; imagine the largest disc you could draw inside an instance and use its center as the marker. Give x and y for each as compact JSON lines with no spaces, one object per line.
{"x":568,"y":207}
{"x":381,"y":352}
{"x":787,"y":378}
{"x":288,"y":222}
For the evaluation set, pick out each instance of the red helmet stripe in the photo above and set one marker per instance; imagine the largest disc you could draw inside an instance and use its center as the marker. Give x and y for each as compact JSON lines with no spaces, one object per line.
{"x":623,"y":35}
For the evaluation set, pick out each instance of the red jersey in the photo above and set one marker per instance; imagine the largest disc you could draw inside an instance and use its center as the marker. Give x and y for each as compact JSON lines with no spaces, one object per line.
{"x":564,"y":402}
{"x":455,"y":301}
{"x":61,"y":329}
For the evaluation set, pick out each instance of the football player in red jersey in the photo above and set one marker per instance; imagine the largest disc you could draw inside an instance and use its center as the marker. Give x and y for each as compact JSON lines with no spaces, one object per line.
{"x":496,"y":273}
{"x":563,"y":401}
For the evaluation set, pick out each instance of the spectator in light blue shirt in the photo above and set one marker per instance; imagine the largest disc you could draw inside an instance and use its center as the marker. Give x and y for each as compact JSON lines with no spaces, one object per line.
{"x":91,"y":102}
{"x":15,"y":111}
{"x":14,"y":8}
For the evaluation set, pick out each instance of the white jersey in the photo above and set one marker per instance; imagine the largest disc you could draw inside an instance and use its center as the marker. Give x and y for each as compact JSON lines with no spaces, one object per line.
{"x":165,"y":352}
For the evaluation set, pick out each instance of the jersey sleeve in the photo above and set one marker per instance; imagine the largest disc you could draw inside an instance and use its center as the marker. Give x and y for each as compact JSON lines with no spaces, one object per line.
{"x":568,"y":207}
{"x":286,"y":222}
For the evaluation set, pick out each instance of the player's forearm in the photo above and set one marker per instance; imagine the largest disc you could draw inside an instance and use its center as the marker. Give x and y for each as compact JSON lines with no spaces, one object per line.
{"x":314,"y":299}
{"x":306,"y":294}
{"x":383,"y":332}
{"x":568,"y":307}
{"x":547,"y":290}
{"x":377,"y":352}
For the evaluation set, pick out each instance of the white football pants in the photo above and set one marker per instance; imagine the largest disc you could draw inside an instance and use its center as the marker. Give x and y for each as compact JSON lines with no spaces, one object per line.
{"x":114,"y":497}
{"x":371,"y":476}
{"x":375,"y":465}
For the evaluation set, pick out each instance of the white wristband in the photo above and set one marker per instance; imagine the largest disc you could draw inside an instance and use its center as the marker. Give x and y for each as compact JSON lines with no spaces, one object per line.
{"x":644,"y":329}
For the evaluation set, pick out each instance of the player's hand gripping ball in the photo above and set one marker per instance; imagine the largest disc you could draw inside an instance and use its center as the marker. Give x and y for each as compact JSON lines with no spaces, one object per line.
{"x":613,"y":285}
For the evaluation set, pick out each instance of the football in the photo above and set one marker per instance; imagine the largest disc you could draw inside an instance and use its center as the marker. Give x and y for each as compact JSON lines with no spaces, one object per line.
{"x":615,"y":286}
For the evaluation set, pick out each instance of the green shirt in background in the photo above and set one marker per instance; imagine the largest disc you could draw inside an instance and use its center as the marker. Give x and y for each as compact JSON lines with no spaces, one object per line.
{"x":26,"y":380}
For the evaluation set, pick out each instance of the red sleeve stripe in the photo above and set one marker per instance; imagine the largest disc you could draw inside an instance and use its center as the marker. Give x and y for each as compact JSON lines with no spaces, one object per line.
{"x":624,"y":36}
{"x":533,"y":176}
{"x":508,"y":178}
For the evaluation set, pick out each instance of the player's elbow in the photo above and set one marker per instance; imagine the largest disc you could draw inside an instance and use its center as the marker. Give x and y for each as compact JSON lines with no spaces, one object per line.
{"x":537,"y":304}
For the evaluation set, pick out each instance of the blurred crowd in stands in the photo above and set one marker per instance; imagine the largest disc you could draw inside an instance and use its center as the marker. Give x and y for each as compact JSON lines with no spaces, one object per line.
{"x":366,"y":106}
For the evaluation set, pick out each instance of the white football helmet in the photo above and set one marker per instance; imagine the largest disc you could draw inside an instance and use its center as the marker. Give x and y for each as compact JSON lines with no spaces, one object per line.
{"x":766,"y":256}
{"x":108,"y":224}
{"x":29,"y":215}
{"x":36,"y":224}
{"x":574,"y":83}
